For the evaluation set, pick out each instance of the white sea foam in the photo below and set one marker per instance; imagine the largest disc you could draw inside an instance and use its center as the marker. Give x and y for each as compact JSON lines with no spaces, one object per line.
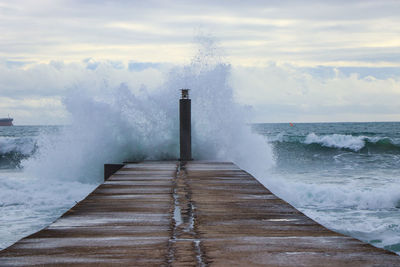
{"x":337,"y":141}
{"x":381,"y":228}
{"x":23,"y":145}
{"x":355,"y":143}
{"x":28,"y":204}
{"x":339,"y":195}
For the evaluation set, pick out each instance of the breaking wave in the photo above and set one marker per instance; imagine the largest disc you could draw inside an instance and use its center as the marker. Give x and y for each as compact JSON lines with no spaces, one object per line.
{"x":116,"y":124}
{"x":14,"y":149}
{"x":360,"y":143}
{"x":355,"y":143}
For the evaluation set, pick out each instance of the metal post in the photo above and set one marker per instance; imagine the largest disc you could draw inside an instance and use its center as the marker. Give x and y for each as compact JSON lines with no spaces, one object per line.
{"x":110,"y":169}
{"x":185,"y":126}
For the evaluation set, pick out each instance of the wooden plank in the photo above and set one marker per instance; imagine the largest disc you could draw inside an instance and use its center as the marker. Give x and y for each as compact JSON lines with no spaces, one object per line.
{"x":200,"y":214}
{"x":117,"y":224}
{"x":241,"y":223}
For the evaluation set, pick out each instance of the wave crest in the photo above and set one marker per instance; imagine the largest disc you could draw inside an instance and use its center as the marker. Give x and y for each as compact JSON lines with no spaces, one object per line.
{"x":13,"y":150}
{"x":355,"y":143}
{"x":337,"y":141}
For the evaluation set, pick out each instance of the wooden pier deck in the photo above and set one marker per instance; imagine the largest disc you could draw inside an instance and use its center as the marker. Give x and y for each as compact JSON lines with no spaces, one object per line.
{"x":200,"y":214}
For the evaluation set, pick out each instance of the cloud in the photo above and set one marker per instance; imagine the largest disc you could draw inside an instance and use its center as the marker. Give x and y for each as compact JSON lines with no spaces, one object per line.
{"x":308,"y":33}
{"x":331,"y":60}
{"x":288,"y":93}
{"x":34,"y":94}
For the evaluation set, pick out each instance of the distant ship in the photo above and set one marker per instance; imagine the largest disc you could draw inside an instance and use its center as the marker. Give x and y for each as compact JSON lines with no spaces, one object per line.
{"x":6,"y":121}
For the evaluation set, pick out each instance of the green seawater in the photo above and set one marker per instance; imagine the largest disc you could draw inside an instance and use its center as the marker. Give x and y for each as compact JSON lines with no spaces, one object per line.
{"x":344,"y":175}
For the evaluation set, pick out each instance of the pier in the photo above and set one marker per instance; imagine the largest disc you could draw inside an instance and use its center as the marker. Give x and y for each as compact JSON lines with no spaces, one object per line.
{"x":191,"y":214}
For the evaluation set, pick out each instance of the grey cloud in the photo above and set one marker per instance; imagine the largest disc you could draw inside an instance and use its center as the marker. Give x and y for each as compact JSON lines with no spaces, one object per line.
{"x":278,"y":93}
{"x":327,"y":72}
{"x":14,"y":63}
{"x":60,"y":29}
{"x":321,"y":113}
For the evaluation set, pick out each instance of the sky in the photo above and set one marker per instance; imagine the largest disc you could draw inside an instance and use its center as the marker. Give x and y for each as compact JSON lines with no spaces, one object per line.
{"x":291,"y":61}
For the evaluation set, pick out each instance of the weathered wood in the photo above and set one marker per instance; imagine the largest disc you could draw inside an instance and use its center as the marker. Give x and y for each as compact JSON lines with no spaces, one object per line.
{"x":241,"y":223}
{"x":203,"y":213}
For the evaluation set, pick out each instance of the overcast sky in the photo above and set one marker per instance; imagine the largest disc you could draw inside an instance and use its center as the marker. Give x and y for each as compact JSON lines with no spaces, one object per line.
{"x":291,"y":60}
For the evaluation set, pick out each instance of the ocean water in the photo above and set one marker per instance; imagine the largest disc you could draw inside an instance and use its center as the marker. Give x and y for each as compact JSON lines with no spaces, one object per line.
{"x":346,"y":176}
{"x":28,"y":202}
{"x":343,"y":175}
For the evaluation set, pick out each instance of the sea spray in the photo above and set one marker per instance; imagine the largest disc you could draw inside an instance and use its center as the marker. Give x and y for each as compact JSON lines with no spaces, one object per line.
{"x":121,"y":123}
{"x":28,"y":204}
{"x":219,"y":123}
{"x":14,"y":149}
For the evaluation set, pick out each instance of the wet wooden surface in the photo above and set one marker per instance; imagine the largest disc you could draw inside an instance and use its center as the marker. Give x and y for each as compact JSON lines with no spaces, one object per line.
{"x":200,"y":214}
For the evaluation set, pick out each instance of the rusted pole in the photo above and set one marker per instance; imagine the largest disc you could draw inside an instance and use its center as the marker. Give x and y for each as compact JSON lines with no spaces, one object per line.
{"x":185,"y":134}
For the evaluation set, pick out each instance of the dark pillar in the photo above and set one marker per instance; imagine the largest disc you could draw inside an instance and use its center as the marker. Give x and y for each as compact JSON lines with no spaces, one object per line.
{"x":110,"y":169}
{"x":185,"y":126}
